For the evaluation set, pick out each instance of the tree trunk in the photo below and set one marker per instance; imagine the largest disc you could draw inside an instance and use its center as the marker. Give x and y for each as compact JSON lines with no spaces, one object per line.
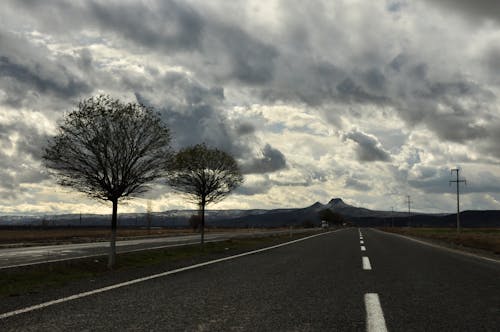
{"x":112,"y":247}
{"x":203,"y":222}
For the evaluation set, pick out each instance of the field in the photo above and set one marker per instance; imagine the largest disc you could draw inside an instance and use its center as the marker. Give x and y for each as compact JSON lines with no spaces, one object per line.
{"x":66,"y":235}
{"x":28,"y":236}
{"x":486,"y":239}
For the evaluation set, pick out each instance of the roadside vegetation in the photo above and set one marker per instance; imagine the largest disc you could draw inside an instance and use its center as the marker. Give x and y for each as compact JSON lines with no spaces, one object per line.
{"x":37,"y":278}
{"x":34,"y":236}
{"x":487,"y":239}
{"x":31,"y":237}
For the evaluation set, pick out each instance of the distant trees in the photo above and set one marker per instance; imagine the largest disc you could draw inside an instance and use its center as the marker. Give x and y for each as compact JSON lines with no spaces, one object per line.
{"x":205,"y":175}
{"x":109,"y":150}
{"x":333,"y":218}
{"x":194,"y":221}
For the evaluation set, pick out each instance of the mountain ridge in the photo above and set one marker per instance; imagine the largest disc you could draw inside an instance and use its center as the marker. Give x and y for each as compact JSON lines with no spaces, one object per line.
{"x":308,"y":215}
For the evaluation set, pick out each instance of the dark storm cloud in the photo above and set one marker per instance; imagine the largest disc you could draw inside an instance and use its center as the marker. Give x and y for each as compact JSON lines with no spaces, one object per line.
{"x":322,"y":83}
{"x":193,"y":113}
{"x":492,"y":59}
{"x":169,"y":25}
{"x":272,"y":160}
{"x":355,"y":184}
{"x":448,"y":107}
{"x":166,"y":25}
{"x":28,"y":70}
{"x":368,"y":147}
{"x":476,"y":10}
{"x":352,"y":91}
{"x":245,"y":129}
{"x":30,"y":78}
{"x":251,"y":60}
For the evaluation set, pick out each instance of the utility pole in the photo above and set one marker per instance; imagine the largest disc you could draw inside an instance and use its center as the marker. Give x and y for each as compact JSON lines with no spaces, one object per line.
{"x":149,"y":215}
{"x":457,"y":181}
{"x":409,"y":209}
{"x":392,"y":216}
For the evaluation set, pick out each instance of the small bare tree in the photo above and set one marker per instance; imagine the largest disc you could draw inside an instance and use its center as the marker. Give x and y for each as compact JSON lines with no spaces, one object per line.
{"x":205,"y":175}
{"x":109,"y":150}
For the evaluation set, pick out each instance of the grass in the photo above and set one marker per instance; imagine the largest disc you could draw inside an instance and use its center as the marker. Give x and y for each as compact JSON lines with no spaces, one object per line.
{"x":34,"y":279}
{"x":487,"y":239}
{"x":76,"y":234}
{"x":65,"y":235}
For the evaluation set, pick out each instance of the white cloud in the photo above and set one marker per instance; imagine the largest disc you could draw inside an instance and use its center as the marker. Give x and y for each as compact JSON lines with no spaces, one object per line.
{"x":314,"y":95}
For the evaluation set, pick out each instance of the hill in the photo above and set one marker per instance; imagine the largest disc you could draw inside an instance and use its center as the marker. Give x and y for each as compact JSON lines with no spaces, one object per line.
{"x":308,"y":216}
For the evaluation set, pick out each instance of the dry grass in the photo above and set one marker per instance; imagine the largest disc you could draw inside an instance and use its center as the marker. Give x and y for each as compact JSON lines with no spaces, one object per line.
{"x":487,"y":239}
{"x":76,"y":235}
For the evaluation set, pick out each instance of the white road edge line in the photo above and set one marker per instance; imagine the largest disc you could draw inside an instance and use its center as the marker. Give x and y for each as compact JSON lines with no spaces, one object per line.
{"x":363,"y":248}
{"x":154,"y":276}
{"x":375,"y":321}
{"x":366,"y":264}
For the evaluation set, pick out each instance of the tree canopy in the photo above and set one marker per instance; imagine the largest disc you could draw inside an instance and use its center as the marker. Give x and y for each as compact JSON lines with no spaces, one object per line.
{"x":331,"y":217}
{"x":205,"y":175}
{"x":109,"y":150}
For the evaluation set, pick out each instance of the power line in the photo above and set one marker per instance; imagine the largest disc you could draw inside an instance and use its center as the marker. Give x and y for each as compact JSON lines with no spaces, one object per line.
{"x":457,"y":181}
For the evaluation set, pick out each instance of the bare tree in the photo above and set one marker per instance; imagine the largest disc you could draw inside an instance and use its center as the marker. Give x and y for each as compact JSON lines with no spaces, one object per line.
{"x":205,"y":175}
{"x":109,"y":150}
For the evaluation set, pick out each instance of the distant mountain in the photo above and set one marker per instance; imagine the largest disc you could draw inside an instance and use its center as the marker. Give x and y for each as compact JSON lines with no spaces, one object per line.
{"x":308,"y":216}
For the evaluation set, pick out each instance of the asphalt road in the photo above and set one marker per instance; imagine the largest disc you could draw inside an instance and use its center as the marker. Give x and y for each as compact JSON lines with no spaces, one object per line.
{"x":12,"y":257}
{"x":319,"y":284}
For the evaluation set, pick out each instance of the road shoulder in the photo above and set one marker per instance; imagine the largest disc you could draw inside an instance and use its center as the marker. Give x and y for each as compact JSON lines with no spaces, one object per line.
{"x":467,"y":251}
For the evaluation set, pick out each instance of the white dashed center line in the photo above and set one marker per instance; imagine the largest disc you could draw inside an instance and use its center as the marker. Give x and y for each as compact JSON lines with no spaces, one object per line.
{"x":366,"y":263}
{"x":375,"y":321}
{"x":363,"y":248}
{"x":361,"y":242}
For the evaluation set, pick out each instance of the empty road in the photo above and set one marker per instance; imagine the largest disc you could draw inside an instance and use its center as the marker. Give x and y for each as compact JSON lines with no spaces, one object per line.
{"x":348,"y":280}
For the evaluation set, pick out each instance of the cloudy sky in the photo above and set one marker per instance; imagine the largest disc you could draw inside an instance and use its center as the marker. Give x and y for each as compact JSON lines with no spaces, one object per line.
{"x":365,"y":100}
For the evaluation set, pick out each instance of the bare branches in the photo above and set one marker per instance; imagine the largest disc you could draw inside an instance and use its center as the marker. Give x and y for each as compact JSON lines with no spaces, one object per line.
{"x":205,"y":175}
{"x":109,"y":149}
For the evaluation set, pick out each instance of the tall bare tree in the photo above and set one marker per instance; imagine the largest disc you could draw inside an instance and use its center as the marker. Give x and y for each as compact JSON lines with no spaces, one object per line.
{"x":109,"y":150}
{"x":205,"y":175}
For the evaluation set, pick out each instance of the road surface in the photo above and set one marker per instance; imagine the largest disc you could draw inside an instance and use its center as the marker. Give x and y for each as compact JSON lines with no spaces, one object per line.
{"x":325,"y":283}
{"x":20,"y":256}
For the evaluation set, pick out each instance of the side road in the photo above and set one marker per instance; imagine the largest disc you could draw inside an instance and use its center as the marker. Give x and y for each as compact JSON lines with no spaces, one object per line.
{"x":22,"y":256}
